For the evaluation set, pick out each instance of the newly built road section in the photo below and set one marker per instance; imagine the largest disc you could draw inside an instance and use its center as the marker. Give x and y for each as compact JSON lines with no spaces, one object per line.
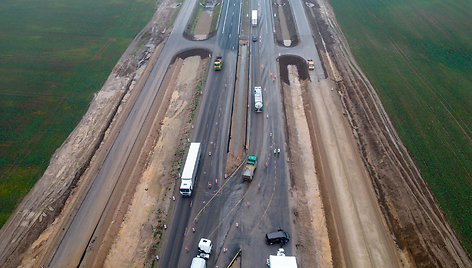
{"x":233,"y":214}
{"x":71,"y":244}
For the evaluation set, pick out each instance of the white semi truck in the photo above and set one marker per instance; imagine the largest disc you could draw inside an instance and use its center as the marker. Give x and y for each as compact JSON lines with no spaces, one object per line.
{"x":190,"y":169}
{"x":258,"y":99}
{"x":281,"y":261}
{"x":204,"y":251}
{"x":254,"y":18}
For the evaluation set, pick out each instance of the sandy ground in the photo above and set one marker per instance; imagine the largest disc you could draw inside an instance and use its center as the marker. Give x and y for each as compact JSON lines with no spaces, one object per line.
{"x":203,"y":25}
{"x":285,"y":35}
{"x":313,"y":241}
{"x":284,"y":24}
{"x":151,"y":201}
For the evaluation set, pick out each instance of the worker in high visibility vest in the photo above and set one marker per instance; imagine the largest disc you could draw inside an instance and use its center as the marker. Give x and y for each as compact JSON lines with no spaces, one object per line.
{"x":278,"y":152}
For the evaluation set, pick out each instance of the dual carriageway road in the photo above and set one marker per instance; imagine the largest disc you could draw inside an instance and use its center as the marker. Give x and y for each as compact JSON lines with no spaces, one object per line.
{"x":235,"y":215}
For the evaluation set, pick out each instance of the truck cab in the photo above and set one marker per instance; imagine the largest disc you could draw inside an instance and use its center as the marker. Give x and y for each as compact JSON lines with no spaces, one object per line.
{"x":217,"y":64}
{"x":204,"y":248}
{"x":186,"y":188}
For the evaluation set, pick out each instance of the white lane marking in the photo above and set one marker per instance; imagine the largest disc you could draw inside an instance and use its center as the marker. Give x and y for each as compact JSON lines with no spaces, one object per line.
{"x":239,"y":19}
{"x":224,"y":21}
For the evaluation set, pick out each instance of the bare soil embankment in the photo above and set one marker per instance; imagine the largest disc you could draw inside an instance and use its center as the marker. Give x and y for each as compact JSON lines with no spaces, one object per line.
{"x":138,"y":237}
{"x":414,"y":217}
{"x":285,"y":26}
{"x":203,"y":22}
{"x":313,"y":245}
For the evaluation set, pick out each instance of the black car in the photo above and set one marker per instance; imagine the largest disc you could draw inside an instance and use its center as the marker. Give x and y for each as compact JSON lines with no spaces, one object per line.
{"x":279,"y":236}
{"x":254,"y":38}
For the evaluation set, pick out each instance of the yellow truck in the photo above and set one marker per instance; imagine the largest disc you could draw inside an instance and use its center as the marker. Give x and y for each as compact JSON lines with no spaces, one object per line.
{"x":311,"y":65}
{"x":218,"y":63}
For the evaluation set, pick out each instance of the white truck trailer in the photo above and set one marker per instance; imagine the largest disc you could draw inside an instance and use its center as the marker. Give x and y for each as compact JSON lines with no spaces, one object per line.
{"x":198,"y":262}
{"x":258,"y":99}
{"x":190,"y":169}
{"x":281,"y":261}
{"x":254,"y":18}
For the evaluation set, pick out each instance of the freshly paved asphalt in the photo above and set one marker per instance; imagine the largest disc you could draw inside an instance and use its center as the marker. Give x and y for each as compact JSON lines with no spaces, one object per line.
{"x":233,"y":214}
{"x":254,"y":209}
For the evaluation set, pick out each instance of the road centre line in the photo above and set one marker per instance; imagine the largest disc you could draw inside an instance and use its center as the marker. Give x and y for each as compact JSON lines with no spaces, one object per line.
{"x":219,"y":224}
{"x":242,"y":198}
{"x":270,"y":200}
{"x":224,"y":21}
{"x":227,"y":180}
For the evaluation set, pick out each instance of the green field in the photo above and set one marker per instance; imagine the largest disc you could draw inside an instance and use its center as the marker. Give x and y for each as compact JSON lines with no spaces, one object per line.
{"x":418,"y":55}
{"x":54,"y":55}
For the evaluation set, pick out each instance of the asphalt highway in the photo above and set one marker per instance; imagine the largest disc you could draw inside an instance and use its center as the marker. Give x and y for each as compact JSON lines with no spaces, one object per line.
{"x":72,"y":243}
{"x":232,"y":213}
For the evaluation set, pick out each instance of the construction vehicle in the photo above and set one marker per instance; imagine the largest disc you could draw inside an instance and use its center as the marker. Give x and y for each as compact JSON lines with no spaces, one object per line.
{"x":218,"y":63}
{"x":311,"y":65}
{"x":190,"y":169}
{"x":258,"y":99}
{"x":250,"y":168}
{"x":281,"y":261}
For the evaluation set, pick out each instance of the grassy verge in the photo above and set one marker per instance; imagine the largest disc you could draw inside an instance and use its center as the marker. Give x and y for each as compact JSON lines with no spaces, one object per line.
{"x":200,"y":87}
{"x":54,"y":55}
{"x":418,"y":55}
{"x":174,"y":15}
{"x":141,"y":41}
{"x":214,"y":19}
{"x":196,"y":18}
